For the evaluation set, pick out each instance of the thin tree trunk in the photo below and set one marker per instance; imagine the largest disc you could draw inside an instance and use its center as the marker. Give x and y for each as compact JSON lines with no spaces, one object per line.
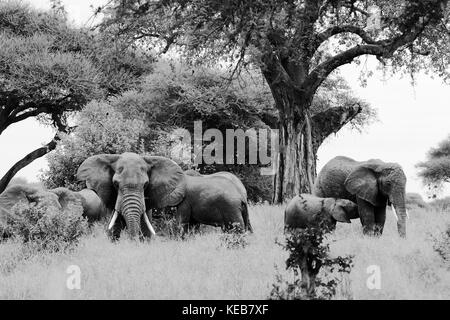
{"x":26,"y":161}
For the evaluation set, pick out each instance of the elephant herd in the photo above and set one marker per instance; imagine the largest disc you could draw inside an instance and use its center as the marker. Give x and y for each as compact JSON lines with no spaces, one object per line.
{"x":125,"y":188}
{"x":346,"y":189}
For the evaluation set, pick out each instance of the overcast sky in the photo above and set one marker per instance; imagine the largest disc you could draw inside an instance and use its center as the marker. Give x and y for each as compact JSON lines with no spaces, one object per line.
{"x":412,"y":119}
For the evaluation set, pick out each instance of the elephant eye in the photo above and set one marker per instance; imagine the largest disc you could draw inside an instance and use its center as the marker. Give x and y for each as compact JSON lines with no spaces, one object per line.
{"x":120,"y":170}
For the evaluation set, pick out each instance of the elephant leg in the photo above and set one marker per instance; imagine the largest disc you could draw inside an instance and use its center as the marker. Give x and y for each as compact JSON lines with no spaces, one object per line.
{"x":117,"y":228}
{"x":183,"y":217}
{"x":380,"y":218}
{"x":146,"y":234}
{"x":367,"y":216}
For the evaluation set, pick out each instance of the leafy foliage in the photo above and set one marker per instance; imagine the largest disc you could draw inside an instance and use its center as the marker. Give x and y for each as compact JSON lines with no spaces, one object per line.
{"x":296,"y":45}
{"x":308,"y":254}
{"x":242,"y":31}
{"x":100,"y":129}
{"x":44,"y":227}
{"x":442,"y":246}
{"x":435,"y":171}
{"x":49,"y":70}
{"x":234,"y":237}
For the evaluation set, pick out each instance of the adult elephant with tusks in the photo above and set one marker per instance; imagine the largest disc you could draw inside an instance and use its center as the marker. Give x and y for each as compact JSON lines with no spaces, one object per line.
{"x":131,"y":185}
{"x":371,"y":184}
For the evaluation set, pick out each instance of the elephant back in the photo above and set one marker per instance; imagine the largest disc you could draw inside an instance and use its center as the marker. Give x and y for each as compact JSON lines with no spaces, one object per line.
{"x":330,"y":180}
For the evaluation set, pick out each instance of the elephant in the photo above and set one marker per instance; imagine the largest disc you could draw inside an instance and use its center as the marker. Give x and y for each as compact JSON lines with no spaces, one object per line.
{"x":233,"y":179}
{"x":131,"y":185}
{"x":371,"y":184}
{"x":307,"y":210}
{"x":93,"y":207}
{"x":26,"y":194}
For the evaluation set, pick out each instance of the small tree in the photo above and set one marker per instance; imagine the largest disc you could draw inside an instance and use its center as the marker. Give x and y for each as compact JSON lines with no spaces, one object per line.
{"x":309,"y":254}
{"x":435,"y":171}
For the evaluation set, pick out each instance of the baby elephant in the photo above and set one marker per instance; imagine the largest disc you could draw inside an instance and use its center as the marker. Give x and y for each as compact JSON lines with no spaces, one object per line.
{"x":306,"y":210}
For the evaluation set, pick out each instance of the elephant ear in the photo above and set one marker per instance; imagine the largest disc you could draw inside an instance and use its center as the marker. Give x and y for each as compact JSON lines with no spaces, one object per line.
{"x":66,"y":196}
{"x":362,"y":182}
{"x":15,"y":194}
{"x":335,"y":208}
{"x":98,"y":171}
{"x":167,"y":182}
{"x":339,"y":214}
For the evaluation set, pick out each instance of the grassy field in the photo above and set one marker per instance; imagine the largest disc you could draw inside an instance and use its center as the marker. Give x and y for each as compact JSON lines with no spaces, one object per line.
{"x":203,"y":268}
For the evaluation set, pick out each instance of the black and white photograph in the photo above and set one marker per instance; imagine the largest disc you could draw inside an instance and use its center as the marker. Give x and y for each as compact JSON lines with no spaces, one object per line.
{"x":225,"y":154}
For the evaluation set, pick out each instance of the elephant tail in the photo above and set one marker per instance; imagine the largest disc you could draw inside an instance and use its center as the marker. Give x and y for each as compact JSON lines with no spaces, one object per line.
{"x":245,"y":216}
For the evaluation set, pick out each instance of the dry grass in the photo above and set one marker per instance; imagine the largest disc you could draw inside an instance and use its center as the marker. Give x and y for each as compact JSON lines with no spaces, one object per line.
{"x":202,"y":268}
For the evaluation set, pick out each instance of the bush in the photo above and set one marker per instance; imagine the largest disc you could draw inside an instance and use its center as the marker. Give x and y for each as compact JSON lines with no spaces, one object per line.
{"x":442,"y":245}
{"x":234,"y":238}
{"x":100,"y":129}
{"x":415,"y":200}
{"x":441,"y":204}
{"x":44,"y":227}
{"x":307,"y":256}
{"x":165,"y":223}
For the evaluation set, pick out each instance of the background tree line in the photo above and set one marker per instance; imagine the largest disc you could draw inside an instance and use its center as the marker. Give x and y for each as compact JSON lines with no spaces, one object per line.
{"x":241,"y":65}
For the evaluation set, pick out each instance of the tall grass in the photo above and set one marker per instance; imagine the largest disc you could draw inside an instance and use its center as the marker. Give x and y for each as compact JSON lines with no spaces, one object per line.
{"x":201,"y":267}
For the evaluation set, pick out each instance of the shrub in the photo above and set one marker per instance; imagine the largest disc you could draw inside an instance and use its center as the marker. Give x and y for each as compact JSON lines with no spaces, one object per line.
{"x":414,"y":200}
{"x":441,"y":204}
{"x":100,"y":129}
{"x":165,"y":224}
{"x":442,"y":245}
{"x":44,"y":227}
{"x":308,"y":254}
{"x":234,"y":238}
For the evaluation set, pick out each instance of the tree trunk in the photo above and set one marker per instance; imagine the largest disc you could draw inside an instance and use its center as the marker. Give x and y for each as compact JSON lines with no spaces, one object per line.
{"x":300,"y":139}
{"x":296,"y":165}
{"x":26,"y":161}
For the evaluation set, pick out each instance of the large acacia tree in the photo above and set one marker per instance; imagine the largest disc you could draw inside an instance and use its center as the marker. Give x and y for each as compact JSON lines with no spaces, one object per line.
{"x":49,"y":70}
{"x":296,"y":45}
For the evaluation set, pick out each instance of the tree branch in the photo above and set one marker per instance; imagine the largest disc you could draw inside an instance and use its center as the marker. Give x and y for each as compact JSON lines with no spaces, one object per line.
{"x":383,"y":48}
{"x":26,"y":161}
{"x":331,"y":121}
{"x":325,"y":35}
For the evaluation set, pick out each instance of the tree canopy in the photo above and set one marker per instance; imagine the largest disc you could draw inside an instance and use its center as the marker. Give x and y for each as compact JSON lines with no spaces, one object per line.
{"x":296,"y":45}
{"x":48,"y":70}
{"x":435,"y":170}
{"x":173,"y":97}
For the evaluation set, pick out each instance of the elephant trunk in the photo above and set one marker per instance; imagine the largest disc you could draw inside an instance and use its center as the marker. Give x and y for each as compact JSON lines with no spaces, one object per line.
{"x":398,"y":203}
{"x":132,"y":210}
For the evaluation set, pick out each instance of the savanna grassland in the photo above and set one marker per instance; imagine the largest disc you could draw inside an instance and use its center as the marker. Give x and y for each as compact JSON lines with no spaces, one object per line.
{"x":202,"y":267}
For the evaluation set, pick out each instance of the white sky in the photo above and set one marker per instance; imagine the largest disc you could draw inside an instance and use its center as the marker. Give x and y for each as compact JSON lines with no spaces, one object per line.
{"x":412,"y":119}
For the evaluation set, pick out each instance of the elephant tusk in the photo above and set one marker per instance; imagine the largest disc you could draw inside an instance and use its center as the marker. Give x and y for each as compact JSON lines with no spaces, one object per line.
{"x":149,"y":225}
{"x":395,"y":212}
{"x":113,"y":219}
